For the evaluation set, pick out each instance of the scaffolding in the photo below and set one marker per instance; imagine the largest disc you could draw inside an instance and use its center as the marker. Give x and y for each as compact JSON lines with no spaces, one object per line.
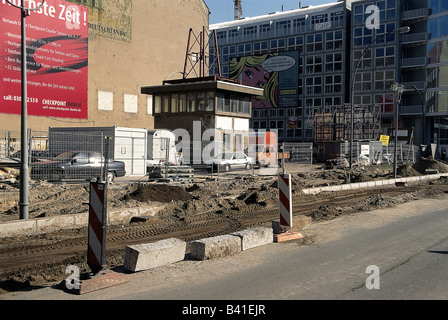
{"x":333,"y":123}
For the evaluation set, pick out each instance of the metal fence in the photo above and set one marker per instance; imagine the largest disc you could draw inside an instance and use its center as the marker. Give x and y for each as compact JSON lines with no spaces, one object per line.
{"x":75,"y":155}
{"x":373,"y":152}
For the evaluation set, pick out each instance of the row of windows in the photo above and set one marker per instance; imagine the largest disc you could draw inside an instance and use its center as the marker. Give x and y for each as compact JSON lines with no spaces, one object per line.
{"x":278,"y":113}
{"x":201,"y":102}
{"x":284,"y":132}
{"x":282,"y":27}
{"x":383,"y":80}
{"x":314,"y":43}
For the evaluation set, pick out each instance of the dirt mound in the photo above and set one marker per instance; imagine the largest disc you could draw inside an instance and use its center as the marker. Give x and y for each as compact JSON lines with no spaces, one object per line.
{"x":407,"y":171}
{"x":426,"y":163}
{"x":159,"y":193}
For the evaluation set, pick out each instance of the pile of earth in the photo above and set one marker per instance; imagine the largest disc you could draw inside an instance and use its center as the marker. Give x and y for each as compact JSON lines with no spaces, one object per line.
{"x":160,"y":193}
{"x":426,"y":163}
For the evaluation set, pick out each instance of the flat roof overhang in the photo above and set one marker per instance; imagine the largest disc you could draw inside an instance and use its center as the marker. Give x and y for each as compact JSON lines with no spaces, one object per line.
{"x":206,"y":85}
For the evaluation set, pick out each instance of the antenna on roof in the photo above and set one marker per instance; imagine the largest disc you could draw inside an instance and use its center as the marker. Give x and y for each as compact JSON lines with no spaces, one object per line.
{"x":238,"y":12}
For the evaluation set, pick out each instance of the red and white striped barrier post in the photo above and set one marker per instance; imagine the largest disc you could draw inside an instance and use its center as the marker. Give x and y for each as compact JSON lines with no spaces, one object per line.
{"x":286,"y":220}
{"x":96,"y":251}
{"x":285,"y":196}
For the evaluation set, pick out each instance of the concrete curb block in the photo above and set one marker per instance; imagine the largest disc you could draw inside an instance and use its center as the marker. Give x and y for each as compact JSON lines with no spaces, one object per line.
{"x":252,"y":238}
{"x":69,"y":221}
{"x":215,"y":247}
{"x":152,"y":255}
{"x":368,"y":184}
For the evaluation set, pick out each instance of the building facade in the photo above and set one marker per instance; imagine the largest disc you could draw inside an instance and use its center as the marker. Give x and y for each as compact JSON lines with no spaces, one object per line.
{"x":327,"y":37}
{"x":317,"y":38}
{"x":128,"y":45}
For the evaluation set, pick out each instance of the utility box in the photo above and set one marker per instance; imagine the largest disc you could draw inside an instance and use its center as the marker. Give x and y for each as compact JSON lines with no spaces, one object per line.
{"x":125,"y":144}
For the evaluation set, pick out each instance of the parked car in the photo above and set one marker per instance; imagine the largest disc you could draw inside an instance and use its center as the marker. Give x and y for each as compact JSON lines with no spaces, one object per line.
{"x":35,"y":155}
{"x":228,"y":161}
{"x":77,"y":165}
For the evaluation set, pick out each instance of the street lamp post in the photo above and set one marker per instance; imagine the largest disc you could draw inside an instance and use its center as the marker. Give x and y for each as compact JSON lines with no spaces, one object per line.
{"x":423,"y":112}
{"x":352,"y":106}
{"x":398,"y":90}
{"x":24,"y":168}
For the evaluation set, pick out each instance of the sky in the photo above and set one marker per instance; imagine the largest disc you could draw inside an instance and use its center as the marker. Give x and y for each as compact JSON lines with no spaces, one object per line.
{"x":222,"y":10}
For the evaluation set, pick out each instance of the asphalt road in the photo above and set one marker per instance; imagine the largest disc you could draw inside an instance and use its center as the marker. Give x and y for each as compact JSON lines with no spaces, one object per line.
{"x":387,"y":254}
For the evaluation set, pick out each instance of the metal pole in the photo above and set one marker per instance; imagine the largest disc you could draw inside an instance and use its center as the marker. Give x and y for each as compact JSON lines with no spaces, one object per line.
{"x":398,"y":91}
{"x":395,"y":138}
{"x":24,"y":168}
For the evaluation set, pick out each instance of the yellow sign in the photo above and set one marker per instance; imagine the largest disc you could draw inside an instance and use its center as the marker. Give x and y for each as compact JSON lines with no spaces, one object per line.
{"x":384,"y":140}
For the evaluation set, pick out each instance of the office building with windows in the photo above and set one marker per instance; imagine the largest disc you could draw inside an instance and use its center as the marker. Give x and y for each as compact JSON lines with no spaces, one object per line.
{"x":303,"y":52}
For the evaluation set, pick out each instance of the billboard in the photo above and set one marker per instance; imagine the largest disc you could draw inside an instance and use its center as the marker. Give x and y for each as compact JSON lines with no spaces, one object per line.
{"x":57,"y":59}
{"x":276,"y":73}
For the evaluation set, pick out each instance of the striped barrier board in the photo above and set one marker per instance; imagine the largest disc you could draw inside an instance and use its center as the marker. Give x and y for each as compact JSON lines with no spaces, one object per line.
{"x":285,"y":197}
{"x":96,"y":251}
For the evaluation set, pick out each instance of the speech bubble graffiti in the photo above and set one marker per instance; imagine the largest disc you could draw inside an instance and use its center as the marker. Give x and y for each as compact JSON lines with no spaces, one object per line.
{"x":279,"y":63}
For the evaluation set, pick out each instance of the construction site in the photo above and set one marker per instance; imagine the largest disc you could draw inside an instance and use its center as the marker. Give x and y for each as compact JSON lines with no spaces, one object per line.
{"x":142,"y":208}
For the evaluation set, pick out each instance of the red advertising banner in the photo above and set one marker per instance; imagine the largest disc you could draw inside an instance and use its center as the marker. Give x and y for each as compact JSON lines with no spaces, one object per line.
{"x":57,"y":59}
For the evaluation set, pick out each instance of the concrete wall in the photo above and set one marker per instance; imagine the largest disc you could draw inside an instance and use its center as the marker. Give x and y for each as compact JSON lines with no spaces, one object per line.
{"x":154,"y":46}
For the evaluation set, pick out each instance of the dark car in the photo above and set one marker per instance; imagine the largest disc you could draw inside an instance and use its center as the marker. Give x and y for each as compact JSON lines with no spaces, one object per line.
{"x":35,"y":156}
{"x":77,"y":165}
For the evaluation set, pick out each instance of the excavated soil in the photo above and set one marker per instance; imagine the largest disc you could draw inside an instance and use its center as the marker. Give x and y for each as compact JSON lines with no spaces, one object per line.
{"x":191,"y":210}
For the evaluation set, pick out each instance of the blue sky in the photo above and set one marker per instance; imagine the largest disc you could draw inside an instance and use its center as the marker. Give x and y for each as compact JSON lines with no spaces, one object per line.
{"x":222,"y":10}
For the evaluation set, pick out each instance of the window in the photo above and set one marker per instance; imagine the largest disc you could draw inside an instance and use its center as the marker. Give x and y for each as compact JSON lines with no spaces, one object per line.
{"x":366,"y":60}
{"x":362,"y":37}
{"x":191,"y":102}
{"x":210,"y":101}
{"x":384,"y":79}
{"x":165,"y":104}
{"x":298,"y":25}
{"x":233,"y":34}
{"x":313,"y":85}
{"x":333,"y":101}
{"x":295,"y":43}
{"x":174,"y":103}
{"x":157,"y":104}
{"x":182,"y":103}
{"x":337,"y":18}
{"x":265,"y":30}
{"x":333,"y":40}
{"x":313,"y":64}
{"x":244,"y":50}
{"x":278,"y":45}
{"x":333,"y":62}
{"x":333,"y":84}
{"x":384,"y":35}
{"x":314,"y":43}
{"x":363,"y":81}
{"x":283,"y":27}
{"x":321,"y":18}
{"x":385,"y":102}
{"x":260,"y":48}
{"x":385,"y":57}
{"x":250,"y":32}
